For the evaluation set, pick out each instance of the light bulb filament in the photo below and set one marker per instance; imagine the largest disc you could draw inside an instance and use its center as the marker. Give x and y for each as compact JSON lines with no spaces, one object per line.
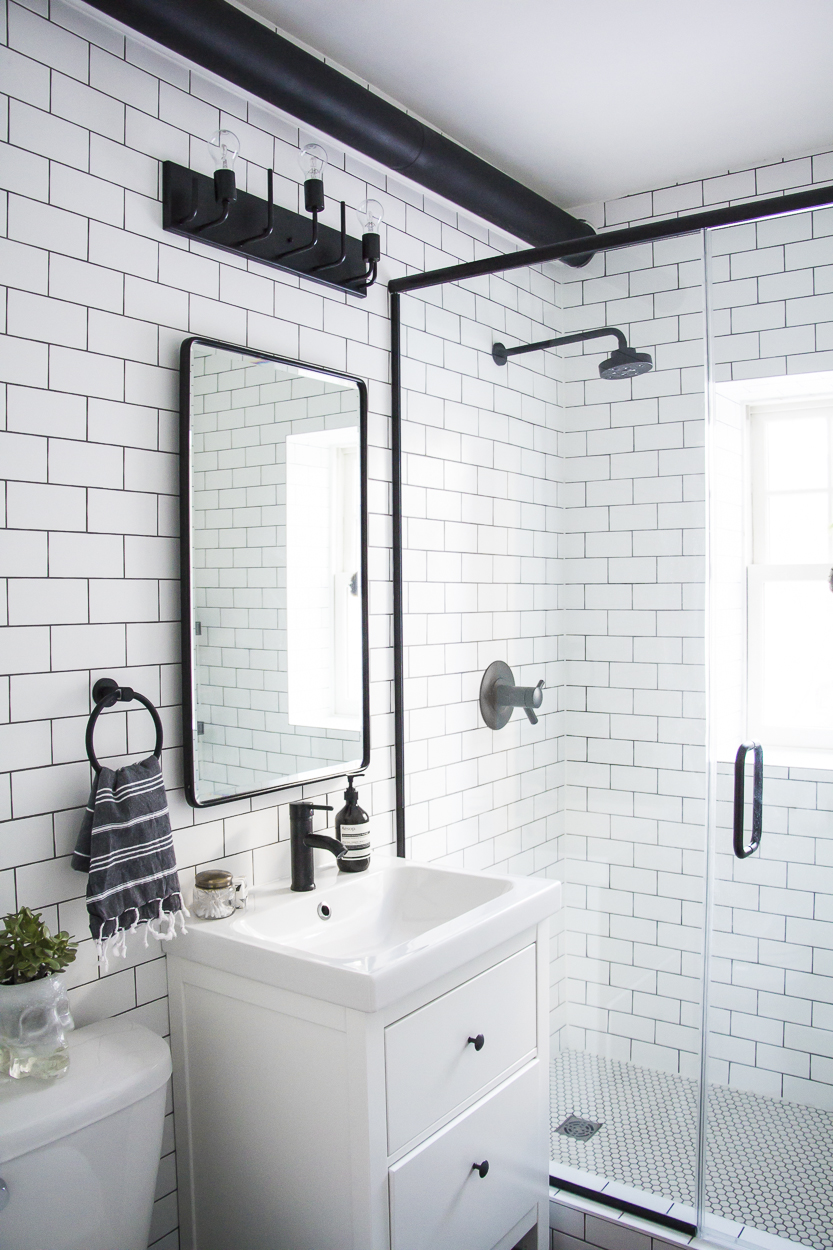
{"x":312,"y":160}
{"x":224,"y":147}
{"x":370,"y":215}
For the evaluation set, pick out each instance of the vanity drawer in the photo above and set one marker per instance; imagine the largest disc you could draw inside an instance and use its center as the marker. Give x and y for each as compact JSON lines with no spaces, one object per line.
{"x":439,"y":1201}
{"x":430,"y":1066}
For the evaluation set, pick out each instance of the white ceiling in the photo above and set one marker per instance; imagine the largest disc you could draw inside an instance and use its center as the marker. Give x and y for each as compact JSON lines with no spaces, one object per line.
{"x":585,"y":100}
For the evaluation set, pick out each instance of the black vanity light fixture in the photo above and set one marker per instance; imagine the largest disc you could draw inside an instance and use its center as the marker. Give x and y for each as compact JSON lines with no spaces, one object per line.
{"x":216,"y":212}
{"x":224,"y":147}
{"x":312,"y":160}
{"x":623,"y":361}
{"x":370,"y":215}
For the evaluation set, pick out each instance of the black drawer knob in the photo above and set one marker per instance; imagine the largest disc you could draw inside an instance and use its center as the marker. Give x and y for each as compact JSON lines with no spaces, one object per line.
{"x":478,"y":1044}
{"x":481,"y":1168}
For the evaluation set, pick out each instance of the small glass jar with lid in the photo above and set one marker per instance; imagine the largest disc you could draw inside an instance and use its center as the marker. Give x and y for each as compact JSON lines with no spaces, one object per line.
{"x":217,"y":894}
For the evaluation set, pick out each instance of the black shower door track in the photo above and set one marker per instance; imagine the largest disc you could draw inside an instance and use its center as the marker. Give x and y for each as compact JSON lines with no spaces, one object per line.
{"x":648,"y":232}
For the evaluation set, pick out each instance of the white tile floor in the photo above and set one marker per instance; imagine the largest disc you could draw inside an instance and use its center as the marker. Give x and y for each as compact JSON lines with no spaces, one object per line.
{"x":769,"y":1161}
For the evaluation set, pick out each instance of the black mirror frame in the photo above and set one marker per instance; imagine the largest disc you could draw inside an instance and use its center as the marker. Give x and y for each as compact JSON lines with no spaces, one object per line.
{"x":185,"y":516}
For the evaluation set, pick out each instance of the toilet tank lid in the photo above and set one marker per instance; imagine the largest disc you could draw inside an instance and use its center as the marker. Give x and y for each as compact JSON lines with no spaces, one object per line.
{"x":112,"y":1065}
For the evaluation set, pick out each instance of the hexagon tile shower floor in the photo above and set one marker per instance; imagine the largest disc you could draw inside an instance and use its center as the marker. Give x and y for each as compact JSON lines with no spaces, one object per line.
{"x":648,"y":1140}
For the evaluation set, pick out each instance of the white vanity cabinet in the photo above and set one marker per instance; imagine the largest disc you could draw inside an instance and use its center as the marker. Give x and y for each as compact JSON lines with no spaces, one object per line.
{"x":306,"y":1125}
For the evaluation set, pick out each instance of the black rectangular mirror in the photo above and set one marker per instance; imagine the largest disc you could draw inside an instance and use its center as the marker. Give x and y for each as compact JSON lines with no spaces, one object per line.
{"x":274,"y":582}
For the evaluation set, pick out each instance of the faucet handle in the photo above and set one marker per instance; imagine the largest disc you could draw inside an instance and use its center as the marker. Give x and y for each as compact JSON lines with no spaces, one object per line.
{"x":311,"y":807}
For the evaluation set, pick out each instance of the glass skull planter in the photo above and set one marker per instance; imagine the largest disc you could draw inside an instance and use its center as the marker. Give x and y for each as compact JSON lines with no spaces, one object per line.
{"x":34,"y":1008}
{"x":34,"y":1021}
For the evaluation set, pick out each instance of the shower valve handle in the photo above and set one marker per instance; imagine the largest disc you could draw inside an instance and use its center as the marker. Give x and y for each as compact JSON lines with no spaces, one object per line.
{"x":536,"y":698}
{"x":499,"y":696}
{"x":527,"y":697}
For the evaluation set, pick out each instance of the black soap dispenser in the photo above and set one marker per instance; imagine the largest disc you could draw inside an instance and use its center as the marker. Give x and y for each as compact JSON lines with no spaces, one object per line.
{"x":353,"y":829}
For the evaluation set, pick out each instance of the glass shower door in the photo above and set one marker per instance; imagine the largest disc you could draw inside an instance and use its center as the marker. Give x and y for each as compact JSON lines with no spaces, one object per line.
{"x":767,"y":1114}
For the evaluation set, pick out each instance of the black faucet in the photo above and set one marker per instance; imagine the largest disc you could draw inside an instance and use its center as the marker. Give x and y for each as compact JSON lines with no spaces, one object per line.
{"x":302,"y":841}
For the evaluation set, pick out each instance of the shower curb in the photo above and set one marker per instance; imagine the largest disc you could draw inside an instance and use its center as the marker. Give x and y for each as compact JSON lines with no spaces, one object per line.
{"x":576,"y":1221}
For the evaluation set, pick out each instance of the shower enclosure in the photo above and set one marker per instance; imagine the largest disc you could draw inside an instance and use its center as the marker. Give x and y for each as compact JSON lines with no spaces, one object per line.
{"x":657,"y":549}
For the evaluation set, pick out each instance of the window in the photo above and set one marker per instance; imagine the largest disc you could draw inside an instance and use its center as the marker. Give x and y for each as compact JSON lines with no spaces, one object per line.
{"x":789,"y":599}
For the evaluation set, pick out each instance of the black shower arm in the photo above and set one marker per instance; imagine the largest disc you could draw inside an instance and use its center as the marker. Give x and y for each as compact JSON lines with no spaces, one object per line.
{"x":602,"y":332}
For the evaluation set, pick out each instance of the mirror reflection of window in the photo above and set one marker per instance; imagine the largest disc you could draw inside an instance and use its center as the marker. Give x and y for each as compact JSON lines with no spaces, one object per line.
{"x":323,"y":601}
{"x":347,"y":616}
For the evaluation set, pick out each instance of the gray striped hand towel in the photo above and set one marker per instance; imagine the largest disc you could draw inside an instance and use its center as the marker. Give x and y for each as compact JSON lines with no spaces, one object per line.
{"x":125,"y":845}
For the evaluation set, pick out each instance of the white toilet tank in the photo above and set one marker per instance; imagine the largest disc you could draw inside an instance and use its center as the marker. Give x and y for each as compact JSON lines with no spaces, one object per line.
{"x":79,"y":1154}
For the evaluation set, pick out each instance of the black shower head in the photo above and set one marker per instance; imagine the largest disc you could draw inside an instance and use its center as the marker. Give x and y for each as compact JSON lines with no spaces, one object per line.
{"x":624,"y":362}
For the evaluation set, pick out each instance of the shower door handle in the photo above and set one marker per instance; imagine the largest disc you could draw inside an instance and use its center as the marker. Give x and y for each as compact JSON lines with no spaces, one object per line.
{"x":757,"y":798}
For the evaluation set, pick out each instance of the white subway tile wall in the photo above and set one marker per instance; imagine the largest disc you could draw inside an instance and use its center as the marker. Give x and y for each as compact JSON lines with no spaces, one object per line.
{"x":633,"y":600}
{"x":97,"y":299}
{"x":482,"y":467}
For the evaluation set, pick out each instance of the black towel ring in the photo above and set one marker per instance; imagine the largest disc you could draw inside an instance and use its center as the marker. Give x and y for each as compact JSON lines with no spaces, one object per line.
{"x":106,"y":693}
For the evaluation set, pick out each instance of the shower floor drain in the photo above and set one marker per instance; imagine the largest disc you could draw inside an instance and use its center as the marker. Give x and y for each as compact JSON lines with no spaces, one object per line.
{"x":578,"y":1129}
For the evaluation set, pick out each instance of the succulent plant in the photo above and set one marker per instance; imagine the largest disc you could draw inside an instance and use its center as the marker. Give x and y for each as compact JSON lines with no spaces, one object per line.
{"x":28,"y":951}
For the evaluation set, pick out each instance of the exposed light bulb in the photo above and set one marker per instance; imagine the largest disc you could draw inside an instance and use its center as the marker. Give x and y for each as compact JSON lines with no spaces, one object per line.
{"x":312,"y":160}
{"x":370,"y":215}
{"x":224,"y":147}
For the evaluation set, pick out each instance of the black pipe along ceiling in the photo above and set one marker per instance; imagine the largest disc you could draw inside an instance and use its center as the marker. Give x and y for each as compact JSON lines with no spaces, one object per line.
{"x":236,"y":47}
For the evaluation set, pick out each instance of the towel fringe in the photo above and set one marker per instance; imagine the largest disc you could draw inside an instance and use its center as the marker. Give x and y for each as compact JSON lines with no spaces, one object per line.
{"x":162,"y":926}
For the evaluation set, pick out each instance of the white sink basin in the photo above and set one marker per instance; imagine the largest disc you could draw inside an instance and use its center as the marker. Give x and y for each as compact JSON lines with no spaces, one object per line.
{"x":372,"y":915}
{"x":365,"y":939}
